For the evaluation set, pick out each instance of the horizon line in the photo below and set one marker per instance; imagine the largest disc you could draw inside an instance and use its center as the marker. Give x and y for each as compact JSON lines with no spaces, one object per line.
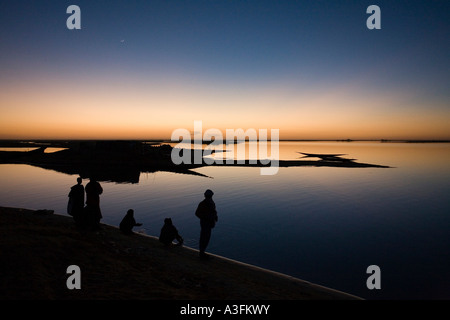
{"x":205,"y":140}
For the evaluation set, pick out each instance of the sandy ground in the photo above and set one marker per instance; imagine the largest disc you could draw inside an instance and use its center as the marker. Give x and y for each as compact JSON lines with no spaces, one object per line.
{"x":36,"y":250}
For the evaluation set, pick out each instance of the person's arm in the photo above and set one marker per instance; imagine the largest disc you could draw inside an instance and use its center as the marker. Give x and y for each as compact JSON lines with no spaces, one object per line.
{"x":135,"y":224}
{"x":216,"y":217}
{"x":178,"y":237}
{"x":200,"y":212}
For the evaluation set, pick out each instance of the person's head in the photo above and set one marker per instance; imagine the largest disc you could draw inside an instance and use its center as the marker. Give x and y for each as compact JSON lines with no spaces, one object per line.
{"x":79,"y":180}
{"x":168,"y":221}
{"x":130,"y":212}
{"x":209,"y":194}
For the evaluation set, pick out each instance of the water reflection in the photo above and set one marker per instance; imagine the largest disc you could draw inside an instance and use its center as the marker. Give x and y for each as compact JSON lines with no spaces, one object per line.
{"x":116,"y":174}
{"x":27,"y":149}
{"x":124,"y":161}
{"x":321,"y":224}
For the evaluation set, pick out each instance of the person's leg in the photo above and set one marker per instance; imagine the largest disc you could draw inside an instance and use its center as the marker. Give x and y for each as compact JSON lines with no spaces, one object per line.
{"x":205,"y":235}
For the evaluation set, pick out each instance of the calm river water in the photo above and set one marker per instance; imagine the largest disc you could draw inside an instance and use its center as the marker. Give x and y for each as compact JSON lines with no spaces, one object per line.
{"x":324,"y":225}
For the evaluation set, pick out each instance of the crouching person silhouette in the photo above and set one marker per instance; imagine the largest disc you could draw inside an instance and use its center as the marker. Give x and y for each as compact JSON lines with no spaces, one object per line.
{"x":128,"y":223}
{"x":169,"y":233}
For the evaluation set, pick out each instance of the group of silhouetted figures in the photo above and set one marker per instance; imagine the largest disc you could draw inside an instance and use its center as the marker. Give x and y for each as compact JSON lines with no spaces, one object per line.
{"x":88,"y":216}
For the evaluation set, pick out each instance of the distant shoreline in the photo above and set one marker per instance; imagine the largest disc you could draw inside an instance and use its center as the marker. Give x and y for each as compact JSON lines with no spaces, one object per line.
{"x":122,"y":161}
{"x":63,"y":142}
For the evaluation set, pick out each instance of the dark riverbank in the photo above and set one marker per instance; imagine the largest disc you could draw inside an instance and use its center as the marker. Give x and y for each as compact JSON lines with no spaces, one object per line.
{"x":37,"y":248}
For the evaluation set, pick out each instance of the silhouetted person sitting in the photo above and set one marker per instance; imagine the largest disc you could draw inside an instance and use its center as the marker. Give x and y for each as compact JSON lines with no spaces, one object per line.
{"x":169,"y":233}
{"x":93,"y":192}
{"x":207,"y":213}
{"x":128,"y":223}
{"x":76,"y":201}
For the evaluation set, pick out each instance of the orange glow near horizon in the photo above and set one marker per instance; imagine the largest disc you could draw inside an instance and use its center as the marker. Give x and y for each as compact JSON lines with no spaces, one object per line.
{"x":105,"y":109}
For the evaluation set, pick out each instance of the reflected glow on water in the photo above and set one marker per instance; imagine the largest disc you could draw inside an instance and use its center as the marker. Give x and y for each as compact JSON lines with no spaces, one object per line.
{"x":324,"y":225}
{"x":25,"y":149}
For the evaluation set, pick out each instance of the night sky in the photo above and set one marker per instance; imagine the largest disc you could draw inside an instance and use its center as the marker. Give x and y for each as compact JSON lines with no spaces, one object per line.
{"x":141,"y":69}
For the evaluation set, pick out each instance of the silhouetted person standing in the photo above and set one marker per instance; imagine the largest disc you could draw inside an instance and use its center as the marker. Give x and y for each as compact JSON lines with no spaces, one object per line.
{"x":169,"y":233}
{"x":76,"y":201}
{"x":128,"y":223}
{"x":93,"y":192}
{"x":207,"y":213}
